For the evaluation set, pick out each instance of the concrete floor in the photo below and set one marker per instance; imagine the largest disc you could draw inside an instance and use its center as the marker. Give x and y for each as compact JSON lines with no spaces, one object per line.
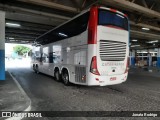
{"x":11,"y":97}
{"x":139,"y":93}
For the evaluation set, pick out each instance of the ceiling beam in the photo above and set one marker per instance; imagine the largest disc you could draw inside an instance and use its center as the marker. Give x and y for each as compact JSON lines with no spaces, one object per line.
{"x":144,"y":35}
{"x":19,"y":39}
{"x":35,"y":19}
{"x":23,"y":31}
{"x":32,"y":12}
{"x":83,"y":4}
{"x":133,"y":1}
{"x":30,"y":24}
{"x":34,"y":26}
{"x":27,"y":29}
{"x":51,"y":5}
{"x":152,"y":5}
{"x":144,"y":3}
{"x":23,"y":14}
{"x":21,"y":36}
{"x":129,"y":6}
{"x":31,"y":28}
{"x":76,"y":4}
{"x":145,"y":25}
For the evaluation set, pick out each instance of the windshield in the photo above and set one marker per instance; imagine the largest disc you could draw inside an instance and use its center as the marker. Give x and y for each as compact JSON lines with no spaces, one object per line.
{"x":111,"y":18}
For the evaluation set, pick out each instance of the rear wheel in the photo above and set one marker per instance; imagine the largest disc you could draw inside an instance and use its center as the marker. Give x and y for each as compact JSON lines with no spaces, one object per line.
{"x":57,"y":75}
{"x":65,"y":77}
{"x":37,"y":69}
{"x":34,"y":68}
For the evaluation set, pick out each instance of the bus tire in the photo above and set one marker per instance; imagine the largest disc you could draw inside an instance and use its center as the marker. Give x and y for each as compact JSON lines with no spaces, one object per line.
{"x":37,"y":69}
{"x":57,"y":75}
{"x":34,"y":68}
{"x":65,"y":77}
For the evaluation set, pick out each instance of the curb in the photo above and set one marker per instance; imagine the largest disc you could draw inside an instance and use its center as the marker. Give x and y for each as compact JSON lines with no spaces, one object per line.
{"x":24,"y":93}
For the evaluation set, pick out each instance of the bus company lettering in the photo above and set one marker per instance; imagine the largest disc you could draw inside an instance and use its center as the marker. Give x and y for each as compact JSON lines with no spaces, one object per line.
{"x":113,"y":64}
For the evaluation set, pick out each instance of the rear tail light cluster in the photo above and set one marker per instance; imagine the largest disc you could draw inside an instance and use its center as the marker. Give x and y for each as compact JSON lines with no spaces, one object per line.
{"x":127,"y":66}
{"x":93,"y":68}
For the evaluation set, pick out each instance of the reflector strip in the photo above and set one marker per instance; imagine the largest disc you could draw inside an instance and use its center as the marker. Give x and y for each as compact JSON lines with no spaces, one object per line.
{"x":114,"y":10}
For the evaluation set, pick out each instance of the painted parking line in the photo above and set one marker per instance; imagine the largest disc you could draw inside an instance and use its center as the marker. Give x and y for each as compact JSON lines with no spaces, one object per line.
{"x":24,"y":93}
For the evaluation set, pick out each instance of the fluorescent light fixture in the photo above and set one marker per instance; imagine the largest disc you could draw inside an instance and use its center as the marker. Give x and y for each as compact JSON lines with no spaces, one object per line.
{"x":120,"y":15}
{"x":13,"y":25}
{"x":134,"y":40}
{"x":37,"y":45}
{"x":23,"y":41}
{"x":145,"y":28}
{"x":135,"y":45}
{"x":62,"y":34}
{"x":11,"y":38}
{"x":153,"y":41}
{"x":142,"y":52}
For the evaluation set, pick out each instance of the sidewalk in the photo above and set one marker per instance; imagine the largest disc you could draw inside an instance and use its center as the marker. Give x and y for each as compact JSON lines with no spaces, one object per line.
{"x":148,"y":71}
{"x":12,"y":97}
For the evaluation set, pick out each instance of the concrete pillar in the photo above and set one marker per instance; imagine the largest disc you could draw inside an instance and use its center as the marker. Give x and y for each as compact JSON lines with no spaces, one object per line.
{"x":142,"y":57}
{"x":2,"y":45}
{"x":132,"y":58}
{"x":149,"y":59}
{"x":158,"y":58}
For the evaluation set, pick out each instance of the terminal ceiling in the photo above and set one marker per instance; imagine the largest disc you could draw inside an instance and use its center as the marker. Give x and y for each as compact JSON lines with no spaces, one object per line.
{"x":35,"y":17}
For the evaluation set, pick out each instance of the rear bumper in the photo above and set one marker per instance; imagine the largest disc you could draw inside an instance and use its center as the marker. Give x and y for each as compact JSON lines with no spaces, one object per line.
{"x":95,"y":80}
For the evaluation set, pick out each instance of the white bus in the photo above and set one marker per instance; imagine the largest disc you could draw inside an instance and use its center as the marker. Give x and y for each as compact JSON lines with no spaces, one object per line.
{"x":90,"y":49}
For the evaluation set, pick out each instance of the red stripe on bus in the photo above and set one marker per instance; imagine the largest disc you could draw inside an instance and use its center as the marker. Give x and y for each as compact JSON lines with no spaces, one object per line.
{"x":113,"y":10}
{"x":92,"y":27}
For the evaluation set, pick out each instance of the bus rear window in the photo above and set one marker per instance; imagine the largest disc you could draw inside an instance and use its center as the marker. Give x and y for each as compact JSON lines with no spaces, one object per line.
{"x":111,"y":18}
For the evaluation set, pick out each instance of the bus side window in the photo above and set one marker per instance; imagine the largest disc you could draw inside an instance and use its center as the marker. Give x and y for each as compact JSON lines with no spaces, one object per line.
{"x":50,"y":57}
{"x":45,"y":58}
{"x":41,"y":58}
{"x":70,"y":29}
{"x":55,"y":58}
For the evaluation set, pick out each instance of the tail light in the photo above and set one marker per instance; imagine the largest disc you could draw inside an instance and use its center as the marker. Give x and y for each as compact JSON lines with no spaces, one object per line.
{"x":93,"y":68}
{"x":127,"y":66}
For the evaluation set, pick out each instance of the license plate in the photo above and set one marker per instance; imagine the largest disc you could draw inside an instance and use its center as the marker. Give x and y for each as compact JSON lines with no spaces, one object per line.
{"x":113,"y":78}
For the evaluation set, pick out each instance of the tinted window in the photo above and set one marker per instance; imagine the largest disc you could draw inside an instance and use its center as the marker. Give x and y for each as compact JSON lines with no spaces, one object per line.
{"x":111,"y":18}
{"x":74,"y":27}
{"x":45,"y":58}
{"x":70,"y":29}
{"x":50,"y":57}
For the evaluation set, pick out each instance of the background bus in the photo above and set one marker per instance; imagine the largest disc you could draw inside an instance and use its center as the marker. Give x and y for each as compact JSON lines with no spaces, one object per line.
{"x":90,"y":49}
